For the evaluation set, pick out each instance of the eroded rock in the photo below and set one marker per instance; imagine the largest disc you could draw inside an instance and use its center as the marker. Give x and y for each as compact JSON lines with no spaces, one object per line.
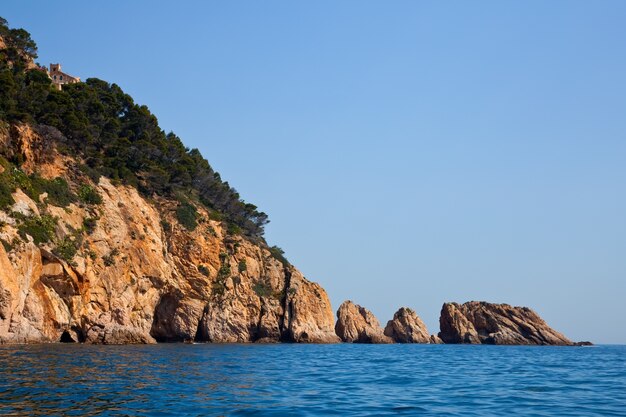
{"x":138,"y":275}
{"x":407,"y":327}
{"x":499,"y":324}
{"x":301,"y":322}
{"x":356,"y":324}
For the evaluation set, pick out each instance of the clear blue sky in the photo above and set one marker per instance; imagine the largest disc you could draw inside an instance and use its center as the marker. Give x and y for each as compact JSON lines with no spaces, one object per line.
{"x":408,"y":153}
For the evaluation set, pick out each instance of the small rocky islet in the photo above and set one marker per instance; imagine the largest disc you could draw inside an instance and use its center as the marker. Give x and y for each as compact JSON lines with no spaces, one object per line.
{"x":474,"y":322}
{"x":113,"y":232}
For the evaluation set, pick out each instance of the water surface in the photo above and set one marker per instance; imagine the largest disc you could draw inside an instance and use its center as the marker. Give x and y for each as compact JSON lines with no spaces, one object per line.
{"x":311,"y":380}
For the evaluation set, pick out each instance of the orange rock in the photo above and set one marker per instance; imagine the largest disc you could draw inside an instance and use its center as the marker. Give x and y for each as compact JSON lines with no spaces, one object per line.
{"x":499,"y":324}
{"x":407,"y":327}
{"x":356,"y":324}
{"x":134,"y":281}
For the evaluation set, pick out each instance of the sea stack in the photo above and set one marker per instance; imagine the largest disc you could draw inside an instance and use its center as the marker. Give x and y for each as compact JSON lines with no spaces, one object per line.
{"x":496,"y":324}
{"x":356,"y":324}
{"x":407,"y":327}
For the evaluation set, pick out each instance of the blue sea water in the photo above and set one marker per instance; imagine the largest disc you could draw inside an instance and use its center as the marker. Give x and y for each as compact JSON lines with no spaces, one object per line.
{"x":312,"y":380}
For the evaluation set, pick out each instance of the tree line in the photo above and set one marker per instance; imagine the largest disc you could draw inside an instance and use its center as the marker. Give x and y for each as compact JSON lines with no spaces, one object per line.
{"x":111,"y":135}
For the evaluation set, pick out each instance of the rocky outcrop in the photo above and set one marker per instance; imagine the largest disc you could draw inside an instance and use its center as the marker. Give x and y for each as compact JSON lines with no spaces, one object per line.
{"x":301,"y":323}
{"x":497,"y":324}
{"x":135,"y":274}
{"x":356,"y":324}
{"x":407,"y":327}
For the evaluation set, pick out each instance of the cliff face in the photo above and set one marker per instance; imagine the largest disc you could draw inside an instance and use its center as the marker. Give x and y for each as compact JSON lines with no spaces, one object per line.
{"x":134,"y":273}
{"x":500,"y":324}
{"x":121,"y":268}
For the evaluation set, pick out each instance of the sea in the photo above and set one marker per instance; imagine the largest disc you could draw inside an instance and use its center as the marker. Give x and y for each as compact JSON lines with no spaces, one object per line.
{"x":312,"y":380}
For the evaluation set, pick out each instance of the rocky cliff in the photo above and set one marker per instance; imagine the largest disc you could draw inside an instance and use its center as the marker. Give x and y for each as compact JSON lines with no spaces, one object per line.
{"x":113,"y":231}
{"x":500,"y":324}
{"x":113,"y":266}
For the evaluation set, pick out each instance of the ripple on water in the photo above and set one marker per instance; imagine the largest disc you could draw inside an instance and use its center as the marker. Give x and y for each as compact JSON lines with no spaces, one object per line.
{"x":311,"y":380}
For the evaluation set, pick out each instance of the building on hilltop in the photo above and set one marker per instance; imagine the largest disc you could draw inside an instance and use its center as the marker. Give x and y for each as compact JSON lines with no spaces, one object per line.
{"x":59,"y":78}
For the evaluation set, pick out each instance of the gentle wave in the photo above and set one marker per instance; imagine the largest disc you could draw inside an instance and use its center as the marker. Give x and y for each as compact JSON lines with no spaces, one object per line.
{"x":311,"y":380}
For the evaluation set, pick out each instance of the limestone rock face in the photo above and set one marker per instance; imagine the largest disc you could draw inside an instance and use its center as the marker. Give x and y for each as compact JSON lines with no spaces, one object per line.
{"x":498,"y":324}
{"x":138,"y":275}
{"x":356,"y":324}
{"x":407,"y":327}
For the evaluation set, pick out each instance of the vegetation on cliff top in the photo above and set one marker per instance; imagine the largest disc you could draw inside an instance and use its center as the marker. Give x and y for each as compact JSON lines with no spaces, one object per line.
{"x":111,"y":135}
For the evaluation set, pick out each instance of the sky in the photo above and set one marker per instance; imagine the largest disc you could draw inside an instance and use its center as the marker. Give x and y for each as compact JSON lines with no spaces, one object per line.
{"x":408,"y":153}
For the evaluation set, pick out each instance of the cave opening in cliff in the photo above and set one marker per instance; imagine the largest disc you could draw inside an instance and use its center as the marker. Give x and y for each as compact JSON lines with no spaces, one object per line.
{"x":66,"y":337}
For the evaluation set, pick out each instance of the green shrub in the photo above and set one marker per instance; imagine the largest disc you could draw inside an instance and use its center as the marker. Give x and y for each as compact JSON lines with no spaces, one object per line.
{"x":18,"y":179}
{"x":93,"y":174}
{"x":6,"y":199}
{"x":224,"y":271}
{"x":41,"y":229}
{"x":89,"y":224}
{"x":233,"y":229}
{"x":7,"y":246}
{"x":216,"y":215}
{"x":203,"y":270}
{"x":187,"y":215}
{"x":89,"y":195}
{"x":10,"y":179}
{"x":263,"y":289}
{"x":279,"y":254}
{"x":242,"y":266}
{"x":59,"y":193}
{"x":67,"y":249}
{"x":110,"y":258}
{"x":167,"y":226}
